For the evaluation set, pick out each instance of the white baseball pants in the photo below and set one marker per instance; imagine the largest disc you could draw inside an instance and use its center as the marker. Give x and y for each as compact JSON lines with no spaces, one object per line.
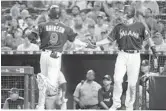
{"x":48,"y":78}
{"x":130,"y":63}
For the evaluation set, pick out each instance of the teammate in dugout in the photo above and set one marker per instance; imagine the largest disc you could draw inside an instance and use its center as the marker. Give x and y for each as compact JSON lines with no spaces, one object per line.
{"x":51,"y":82}
{"x":129,"y":37}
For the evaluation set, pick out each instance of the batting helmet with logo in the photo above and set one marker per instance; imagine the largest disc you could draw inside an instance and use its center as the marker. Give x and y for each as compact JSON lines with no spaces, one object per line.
{"x":54,"y":12}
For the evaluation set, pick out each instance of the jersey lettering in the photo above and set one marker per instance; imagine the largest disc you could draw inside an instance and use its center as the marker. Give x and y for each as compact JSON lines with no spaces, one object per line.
{"x":128,"y":33}
{"x":53,"y":28}
{"x":54,"y":38}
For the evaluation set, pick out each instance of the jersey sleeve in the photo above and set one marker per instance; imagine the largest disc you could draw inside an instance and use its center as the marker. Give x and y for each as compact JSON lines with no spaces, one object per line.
{"x":77,"y":90}
{"x":113,"y":34}
{"x":71,"y":35}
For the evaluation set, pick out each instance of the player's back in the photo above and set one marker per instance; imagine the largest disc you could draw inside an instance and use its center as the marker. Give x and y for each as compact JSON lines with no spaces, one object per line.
{"x":54,"y":35}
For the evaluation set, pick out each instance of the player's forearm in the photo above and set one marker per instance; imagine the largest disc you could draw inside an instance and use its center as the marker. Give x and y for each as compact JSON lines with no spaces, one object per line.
{"x":152,"y":45}
{"x":104,"y":105}
{"x":103,"y":42}
{"x":78,"y":42}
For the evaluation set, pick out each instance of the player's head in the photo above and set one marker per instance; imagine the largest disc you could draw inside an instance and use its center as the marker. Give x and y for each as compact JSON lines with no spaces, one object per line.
{"x":129,"y":11}
{"x":107,"y":80}
{"x":145,"y":66}
{"x":54,"y":12}
{"x":14,"y":94}
{"x":90,"y":75}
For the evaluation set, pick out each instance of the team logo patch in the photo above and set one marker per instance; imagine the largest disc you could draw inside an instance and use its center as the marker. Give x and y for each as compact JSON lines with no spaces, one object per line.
{"x":53,"y":38}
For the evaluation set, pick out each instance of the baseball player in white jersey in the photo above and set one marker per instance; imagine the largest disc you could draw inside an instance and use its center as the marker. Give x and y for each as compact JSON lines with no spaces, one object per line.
{"x":129,"y":37}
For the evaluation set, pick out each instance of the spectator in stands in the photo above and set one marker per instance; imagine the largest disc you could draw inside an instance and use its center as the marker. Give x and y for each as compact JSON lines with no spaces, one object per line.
{"x":65,"y":18}
{"x":18,"y":39}
{"x":115,"y":13}
{"x":30,"y":22}
{"x":86,"y":92}
{"x":142,"y":5}
{"x":15,"y":11}
{"x":151,"y":22}
{"x":27,"y":45}
{"x":95,"y":11}
{"x":42,"y":18}
{"x":85,"y":19}
{"x":105,"y":93}
{"x":14,"y":101}
{"x":13,"y":26}
{"x":78,"y":26}
{"x":80,"y":3}
{"x":75,"y":11}
{"x":145,"y":69}
{"x":159,"y":42}
{"x":100,"y":28}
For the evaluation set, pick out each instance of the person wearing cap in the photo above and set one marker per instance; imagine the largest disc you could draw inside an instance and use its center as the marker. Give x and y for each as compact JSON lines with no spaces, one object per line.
{"x":86,"y":92}
{"x":27,"y":45}
{"x":105,"y":93}
{"x":14,"y":101}
{"x":101,"y":30}
{"x":145,"y":73}
{"x":95,"y":11}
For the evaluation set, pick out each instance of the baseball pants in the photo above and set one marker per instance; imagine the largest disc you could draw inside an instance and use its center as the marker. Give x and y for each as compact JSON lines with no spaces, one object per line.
{"x":48,"y":79}
{"x":130,"y":63}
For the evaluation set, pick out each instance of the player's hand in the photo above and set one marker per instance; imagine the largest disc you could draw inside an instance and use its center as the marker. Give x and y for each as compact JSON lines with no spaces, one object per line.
{"x":155,"y":63}
{"x":91,"y":44}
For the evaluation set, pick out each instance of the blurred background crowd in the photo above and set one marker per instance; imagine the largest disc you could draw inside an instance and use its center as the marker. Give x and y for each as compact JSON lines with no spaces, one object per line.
{"x":90,"y":19}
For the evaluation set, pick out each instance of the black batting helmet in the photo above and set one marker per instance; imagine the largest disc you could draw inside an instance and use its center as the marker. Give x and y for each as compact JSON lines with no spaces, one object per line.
{"x":54,"y":12}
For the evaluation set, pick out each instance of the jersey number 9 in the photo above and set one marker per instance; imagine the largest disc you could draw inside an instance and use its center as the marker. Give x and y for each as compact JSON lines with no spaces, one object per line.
{"x":54,"y":38}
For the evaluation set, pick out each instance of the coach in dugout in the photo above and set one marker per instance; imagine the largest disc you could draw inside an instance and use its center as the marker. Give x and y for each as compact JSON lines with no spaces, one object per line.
{"x":86,"y":92}
{"x":14,"y":101}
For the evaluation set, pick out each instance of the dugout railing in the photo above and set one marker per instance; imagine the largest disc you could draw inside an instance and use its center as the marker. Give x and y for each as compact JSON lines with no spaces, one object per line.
{"x":101,"y":61}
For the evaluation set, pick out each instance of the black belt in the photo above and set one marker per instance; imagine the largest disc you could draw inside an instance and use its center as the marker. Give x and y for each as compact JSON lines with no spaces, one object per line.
{"x":131,"y":51}
{"x":90,"y":106}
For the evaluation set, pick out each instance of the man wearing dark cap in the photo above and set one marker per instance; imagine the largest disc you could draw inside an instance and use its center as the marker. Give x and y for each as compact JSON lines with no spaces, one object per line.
{"x":105,"y":93}
{"x":14,"y":101}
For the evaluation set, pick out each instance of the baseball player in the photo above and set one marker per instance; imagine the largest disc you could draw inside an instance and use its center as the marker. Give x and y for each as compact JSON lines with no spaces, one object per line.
{"x":129,"y":37}
{"x":51,"y":82}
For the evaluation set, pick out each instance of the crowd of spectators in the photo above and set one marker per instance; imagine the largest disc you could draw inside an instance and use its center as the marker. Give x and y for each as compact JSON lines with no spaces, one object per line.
{"x":90,"y":19}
